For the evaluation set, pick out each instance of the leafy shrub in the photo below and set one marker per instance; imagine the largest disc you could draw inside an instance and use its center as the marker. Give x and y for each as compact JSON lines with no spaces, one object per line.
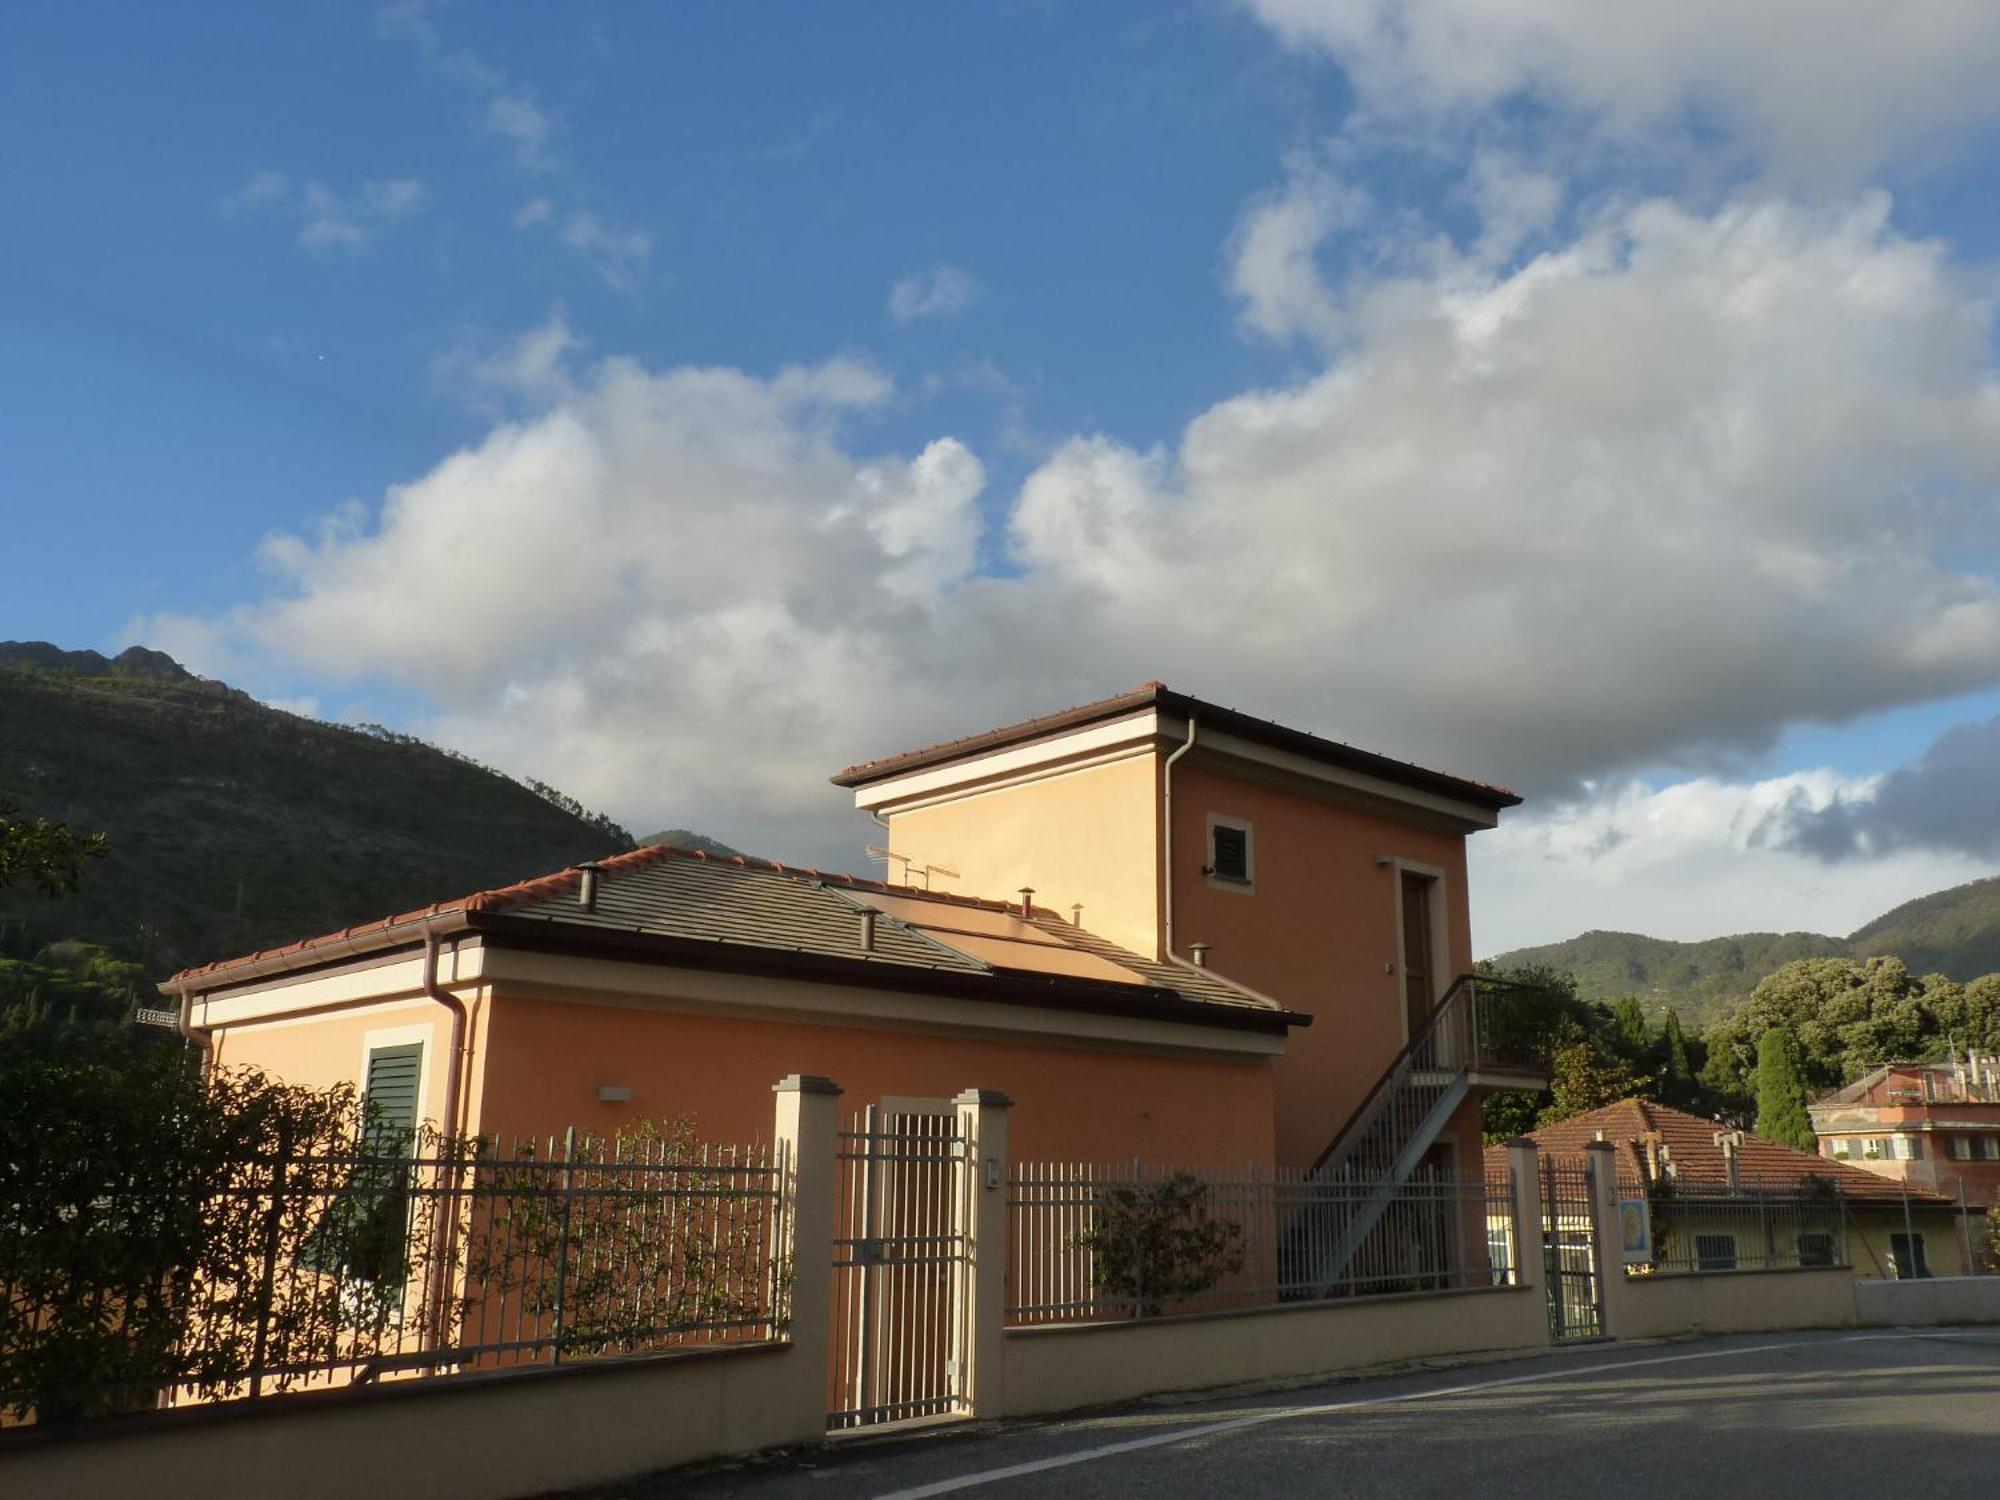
{"x":1159,"y":1244}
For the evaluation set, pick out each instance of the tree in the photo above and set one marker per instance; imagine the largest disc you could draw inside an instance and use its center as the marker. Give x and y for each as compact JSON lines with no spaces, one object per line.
{"x":1159,"y":1244}
{"x":1680,"y":1067}
{"x":1596,"y":1055}
{"x":47,"y":855}
{"x":1582,"y":1077}
{"x":145,"y":1236}
{"x":1630,"y":1035}
{"x":1781,"y":1093}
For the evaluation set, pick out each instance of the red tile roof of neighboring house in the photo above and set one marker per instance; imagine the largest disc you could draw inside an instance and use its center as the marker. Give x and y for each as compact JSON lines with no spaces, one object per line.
{"x":1697,"y":1159}
{"x":1157,"y":695}
{"x":745,"y":906}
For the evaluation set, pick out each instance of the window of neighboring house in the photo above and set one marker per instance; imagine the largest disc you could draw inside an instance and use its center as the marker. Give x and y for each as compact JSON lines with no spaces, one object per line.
{"x":1840,"y":1150}
{"x":1500,"y":1251}
{"x":1986,"y":1147}
{"x":1909,"y":1148}
{"x":1906,"y":1257}
{"x":1816,"y":1250}
{"x":1229,"y":852}
{"x":364,"y":1232}
{"x":1958,"y":1147}
{"x":1715,"y":1252}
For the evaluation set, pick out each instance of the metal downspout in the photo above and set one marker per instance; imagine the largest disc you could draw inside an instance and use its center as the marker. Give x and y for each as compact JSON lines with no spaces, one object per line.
{"x":201,"y":1038}
{"x":445,"y":1222}
{"x":1167,"y":843}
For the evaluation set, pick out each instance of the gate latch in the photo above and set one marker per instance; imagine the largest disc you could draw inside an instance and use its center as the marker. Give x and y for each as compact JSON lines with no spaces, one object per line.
{"x":868,"y":1252}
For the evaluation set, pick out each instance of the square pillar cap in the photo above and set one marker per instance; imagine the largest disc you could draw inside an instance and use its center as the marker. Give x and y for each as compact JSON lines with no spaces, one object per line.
{"x":805,"y":1083}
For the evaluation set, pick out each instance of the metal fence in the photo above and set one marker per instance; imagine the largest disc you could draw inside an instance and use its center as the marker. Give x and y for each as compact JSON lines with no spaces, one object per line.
{"x":1749,"y":1229}
{"x":1092,"y":1241}
{"x":354,"y":1266}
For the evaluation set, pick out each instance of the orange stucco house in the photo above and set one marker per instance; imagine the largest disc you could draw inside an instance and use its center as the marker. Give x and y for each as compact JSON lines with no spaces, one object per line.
{"x":1163,"y":928}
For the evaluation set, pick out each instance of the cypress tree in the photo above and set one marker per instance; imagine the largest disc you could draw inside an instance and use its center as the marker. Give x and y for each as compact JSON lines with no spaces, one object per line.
{"x":1681,"y":1089}
{"x":1680,"y":1069}
{"x":1781,"y":1092}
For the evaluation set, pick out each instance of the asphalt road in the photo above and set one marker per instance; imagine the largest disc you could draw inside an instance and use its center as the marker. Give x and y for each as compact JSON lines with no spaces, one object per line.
{"x":1874,"y":1414}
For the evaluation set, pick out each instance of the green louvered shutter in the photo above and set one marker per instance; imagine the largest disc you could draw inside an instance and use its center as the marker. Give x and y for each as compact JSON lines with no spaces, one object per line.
{"x":394,"y":1074}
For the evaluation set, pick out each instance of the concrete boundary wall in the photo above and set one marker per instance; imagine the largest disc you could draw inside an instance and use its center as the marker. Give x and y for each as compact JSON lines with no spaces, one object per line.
{"x":1651,"y":1307}
{"x":1943,"y":1299}
{"x":1061,"y":1368}
{"x":473,"y":1437}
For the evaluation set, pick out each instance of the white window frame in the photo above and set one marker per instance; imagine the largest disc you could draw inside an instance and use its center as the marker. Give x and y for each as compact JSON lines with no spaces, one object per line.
{"x":1248,"y":884}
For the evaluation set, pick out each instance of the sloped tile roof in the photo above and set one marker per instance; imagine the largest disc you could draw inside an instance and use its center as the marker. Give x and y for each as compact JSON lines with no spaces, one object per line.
{"x":752,"y":906}
{"x":1698,"y":1160}
{"x":1159,"y":695}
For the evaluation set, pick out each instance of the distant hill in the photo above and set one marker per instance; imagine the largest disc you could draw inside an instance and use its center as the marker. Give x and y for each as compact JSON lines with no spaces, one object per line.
{"x":234,"y":826}
{"x":687,"y":838}
{"x":1955,"y":932}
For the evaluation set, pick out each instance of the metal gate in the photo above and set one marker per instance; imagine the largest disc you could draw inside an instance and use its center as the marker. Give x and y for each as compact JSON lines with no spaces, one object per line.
{"x":899,"y":1264}
{"x":1569,"y":1253}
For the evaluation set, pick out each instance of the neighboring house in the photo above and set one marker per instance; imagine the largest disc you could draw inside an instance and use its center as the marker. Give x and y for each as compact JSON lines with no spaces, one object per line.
{"x":1185,"y":934}
{"x":1934,"y":1125}
{"x":1726,"y":1200}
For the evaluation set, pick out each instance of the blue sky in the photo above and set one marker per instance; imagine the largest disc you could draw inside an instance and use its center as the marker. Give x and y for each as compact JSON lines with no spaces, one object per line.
{"x":677,"y":402}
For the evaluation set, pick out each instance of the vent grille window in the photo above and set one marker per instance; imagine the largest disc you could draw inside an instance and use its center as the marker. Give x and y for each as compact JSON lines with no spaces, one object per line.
{"x":391,"y":1095}
{"x":1231,"y":852}
{"x":1715,"y":1252}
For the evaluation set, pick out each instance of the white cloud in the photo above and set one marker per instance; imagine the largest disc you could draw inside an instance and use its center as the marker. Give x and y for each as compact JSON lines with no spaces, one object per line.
{"x":664,"y":591}
{"x":1819,"y":90}
{"x":620,"y":255}
{"x":1687,"y":860}
{"x":940,"y":292}
{"x":1273,"y":262}
{"x":515,"y":117}
{"x":329,"y":221}
{"x":1644,"y":500}
{"x":534,"y":367}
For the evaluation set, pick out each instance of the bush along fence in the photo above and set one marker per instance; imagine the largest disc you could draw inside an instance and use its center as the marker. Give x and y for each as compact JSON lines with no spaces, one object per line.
{"x":1091,"y":1241}
{"x":337,"y":1251}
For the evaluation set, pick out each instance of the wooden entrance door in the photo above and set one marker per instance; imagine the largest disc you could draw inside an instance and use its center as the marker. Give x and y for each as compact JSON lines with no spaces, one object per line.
{"x":1419,"y":980}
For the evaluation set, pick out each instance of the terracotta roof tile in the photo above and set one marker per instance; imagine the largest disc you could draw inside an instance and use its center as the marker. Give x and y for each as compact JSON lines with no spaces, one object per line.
{"x":1698,"y":1160}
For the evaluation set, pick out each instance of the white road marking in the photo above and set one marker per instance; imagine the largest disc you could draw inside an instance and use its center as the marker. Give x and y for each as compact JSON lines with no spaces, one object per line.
{"x":1282,"y":1413}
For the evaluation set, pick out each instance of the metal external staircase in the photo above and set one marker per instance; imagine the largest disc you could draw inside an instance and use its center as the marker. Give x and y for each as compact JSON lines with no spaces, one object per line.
{"x":1474,"y":1027}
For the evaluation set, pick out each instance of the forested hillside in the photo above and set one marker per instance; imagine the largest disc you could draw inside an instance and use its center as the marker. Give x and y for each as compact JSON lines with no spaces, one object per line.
{"x":1954,"y":932}
{"x":233,"y":826}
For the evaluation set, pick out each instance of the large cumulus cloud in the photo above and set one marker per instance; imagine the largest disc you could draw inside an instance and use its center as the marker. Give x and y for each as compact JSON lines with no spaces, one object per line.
{"x":1641,"y":500}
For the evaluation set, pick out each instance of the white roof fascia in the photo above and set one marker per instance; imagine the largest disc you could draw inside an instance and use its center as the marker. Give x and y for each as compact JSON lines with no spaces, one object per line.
{"x":1098,"y":744}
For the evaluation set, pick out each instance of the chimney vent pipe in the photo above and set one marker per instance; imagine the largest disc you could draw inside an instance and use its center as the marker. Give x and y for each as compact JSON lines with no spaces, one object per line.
{"x":868,"y":929}
{"x":1199,"y":953}
{"x":1027,"y":901}
{"x":586,"y":890}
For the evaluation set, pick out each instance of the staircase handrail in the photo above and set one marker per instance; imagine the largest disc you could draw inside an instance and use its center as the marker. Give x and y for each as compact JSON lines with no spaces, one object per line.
{"x":1398,"y":1070}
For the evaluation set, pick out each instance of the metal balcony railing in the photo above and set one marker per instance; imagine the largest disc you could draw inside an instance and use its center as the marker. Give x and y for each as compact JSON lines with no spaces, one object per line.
{"x":1480,"y":1024}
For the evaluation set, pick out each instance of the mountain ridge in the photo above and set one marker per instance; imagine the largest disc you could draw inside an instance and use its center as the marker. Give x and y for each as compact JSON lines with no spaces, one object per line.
{"x":1955,"y":931}
{"x":233,"y":826}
